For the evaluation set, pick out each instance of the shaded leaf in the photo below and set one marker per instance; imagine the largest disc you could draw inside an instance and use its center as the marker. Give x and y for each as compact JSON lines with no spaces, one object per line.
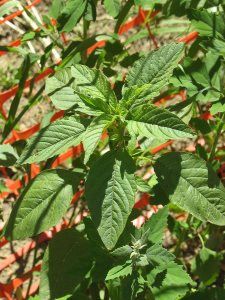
{"x":156,"y":225}
{"x":119,"y":271}
{"x":66,"y":262}
{"x":208,"y":23}
{"x":194,"y":186}
{"x":206,"y":266}
{"x":8,"y":155}
{"x":71,"y":14}
{"x":158,"y":255}
{"x":170,"y":283}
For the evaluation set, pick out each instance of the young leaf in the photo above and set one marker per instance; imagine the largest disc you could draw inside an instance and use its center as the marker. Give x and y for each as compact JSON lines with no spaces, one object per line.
{"x":112,"y":7}
{"x":169,"y":283}
{"x":60,"y":89}
{"x":193,"y":186}
{"x":66,"y":262}
{"x":157,"y":67}
{"x":93,"y":134}
{"x":123,"y":252}
{"x":159,"y":255}
{"x":156,"y":225}
{"x":42,"y":204}
{"x":134,"y":96}
{"x":119,"y":271}
{"x":92,"y":83}
{"x":8,"y":156}
{"x":110,"y":191}
{"x":53,"y":139}
{"x":151,"y":121}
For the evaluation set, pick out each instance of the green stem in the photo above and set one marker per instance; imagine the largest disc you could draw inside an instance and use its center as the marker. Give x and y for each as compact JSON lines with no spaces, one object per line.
{"x":218,"y":133}
{"x":33,"y":265}
{"x":85,"y":35}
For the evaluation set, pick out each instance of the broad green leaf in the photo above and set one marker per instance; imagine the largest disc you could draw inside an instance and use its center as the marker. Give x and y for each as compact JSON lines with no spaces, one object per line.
{"x":193,"y":186}
{"x":59,"y":87}
{"x":8,"y":155}
{"x":217,"y":107}
{"x":155,"y":68}
{"x":156,"y":225}
{"x":7,"y":7}
{"x":169,"y":283}
{"x":112,"y":7}
{"x":71,"y":14}
{"x":42,"y":204}
{"x":28,"y":36}
{"x":92,"y":83}
{"x":55,"y":8}
{"x":157,"y":255}
{"x":53,"y":139}
{"x":93,"y":134}
{"x":151,"y":121}
{"x":110,"y":191}
{"x":123,"y":252}
{"x":119,"y":271}
{"x":66,"y":262}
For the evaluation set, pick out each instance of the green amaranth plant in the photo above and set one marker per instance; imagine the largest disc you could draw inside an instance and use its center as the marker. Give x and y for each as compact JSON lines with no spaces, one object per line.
{"x":108,"y":253}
